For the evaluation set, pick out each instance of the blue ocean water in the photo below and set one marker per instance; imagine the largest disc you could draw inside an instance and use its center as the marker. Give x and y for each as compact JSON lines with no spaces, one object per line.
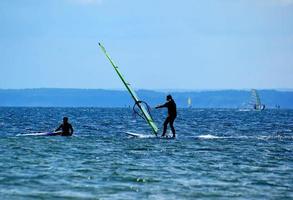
{"x":218,"y":154}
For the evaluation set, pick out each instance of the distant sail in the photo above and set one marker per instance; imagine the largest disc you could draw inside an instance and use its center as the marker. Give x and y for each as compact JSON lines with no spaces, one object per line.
{"x":189,"y":102}
{"x":255,"y":101}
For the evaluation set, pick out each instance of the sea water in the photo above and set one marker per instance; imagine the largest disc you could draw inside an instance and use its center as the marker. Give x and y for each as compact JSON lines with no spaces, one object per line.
{"x":218,"y":154}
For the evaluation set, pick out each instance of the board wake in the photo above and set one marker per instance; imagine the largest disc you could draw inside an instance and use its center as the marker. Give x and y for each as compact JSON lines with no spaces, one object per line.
{"x":141,"y":135}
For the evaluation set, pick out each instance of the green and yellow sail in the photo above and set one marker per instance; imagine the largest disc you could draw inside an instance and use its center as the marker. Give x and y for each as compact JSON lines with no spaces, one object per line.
{"x":133,"y":94}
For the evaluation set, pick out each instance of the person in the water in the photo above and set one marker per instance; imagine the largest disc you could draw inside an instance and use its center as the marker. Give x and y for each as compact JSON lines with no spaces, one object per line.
{"x":65,"y":127}
{"x":172,"y":114}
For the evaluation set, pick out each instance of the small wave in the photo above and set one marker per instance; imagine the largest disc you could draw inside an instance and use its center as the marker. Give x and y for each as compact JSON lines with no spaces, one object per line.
{"x":209,"y":136}
{"x":244,"y":110}
{"x":275,"y":137}
{"x":267,"y":137}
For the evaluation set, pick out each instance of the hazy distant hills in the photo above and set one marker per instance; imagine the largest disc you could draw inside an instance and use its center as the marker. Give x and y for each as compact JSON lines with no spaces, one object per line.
{"x":116,"y":98}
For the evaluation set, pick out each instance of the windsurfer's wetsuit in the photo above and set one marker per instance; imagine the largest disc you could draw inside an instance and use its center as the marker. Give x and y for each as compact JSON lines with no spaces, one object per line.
{"x":172,"y":114}
{"x":66,"y":128}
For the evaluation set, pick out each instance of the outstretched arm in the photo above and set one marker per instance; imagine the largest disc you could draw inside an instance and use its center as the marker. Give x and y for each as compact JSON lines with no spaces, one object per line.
{"x":162,"y":106}
{"x":59,"y":128}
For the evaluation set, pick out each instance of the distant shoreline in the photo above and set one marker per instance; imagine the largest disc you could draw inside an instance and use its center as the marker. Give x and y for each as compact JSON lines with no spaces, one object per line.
{"x":157,"y":90}
{"x":58,"y":97}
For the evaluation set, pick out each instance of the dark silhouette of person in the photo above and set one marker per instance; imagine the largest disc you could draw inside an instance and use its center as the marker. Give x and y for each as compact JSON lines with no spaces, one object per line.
{"x":65,"y":127}
{"x":172,"y":114}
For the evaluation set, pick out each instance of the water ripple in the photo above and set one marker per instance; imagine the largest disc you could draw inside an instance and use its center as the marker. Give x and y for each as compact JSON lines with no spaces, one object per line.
{"x":219,"y":154}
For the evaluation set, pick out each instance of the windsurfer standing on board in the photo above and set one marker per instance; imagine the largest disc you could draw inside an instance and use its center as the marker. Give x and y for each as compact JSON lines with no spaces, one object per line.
{"x":172,"y":114}
{"x":65,"y":127}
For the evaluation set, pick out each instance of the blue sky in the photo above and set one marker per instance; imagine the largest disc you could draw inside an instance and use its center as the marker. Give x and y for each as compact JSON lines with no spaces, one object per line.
{"x":158,"y":44}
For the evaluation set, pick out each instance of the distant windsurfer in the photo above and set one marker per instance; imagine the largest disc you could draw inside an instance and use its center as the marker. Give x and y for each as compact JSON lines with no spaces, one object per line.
{"x":172,"y":114}
{"x":65,"y":127}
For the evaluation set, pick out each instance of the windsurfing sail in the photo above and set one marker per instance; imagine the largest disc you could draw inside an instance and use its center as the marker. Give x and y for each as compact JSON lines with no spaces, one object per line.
{"x":140,"y":104}
{"x":257,"y":105}
{"x":189,"y":102}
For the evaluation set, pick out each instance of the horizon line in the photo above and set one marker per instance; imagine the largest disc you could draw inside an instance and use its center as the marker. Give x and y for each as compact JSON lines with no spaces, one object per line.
{"x":155,"y":90}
